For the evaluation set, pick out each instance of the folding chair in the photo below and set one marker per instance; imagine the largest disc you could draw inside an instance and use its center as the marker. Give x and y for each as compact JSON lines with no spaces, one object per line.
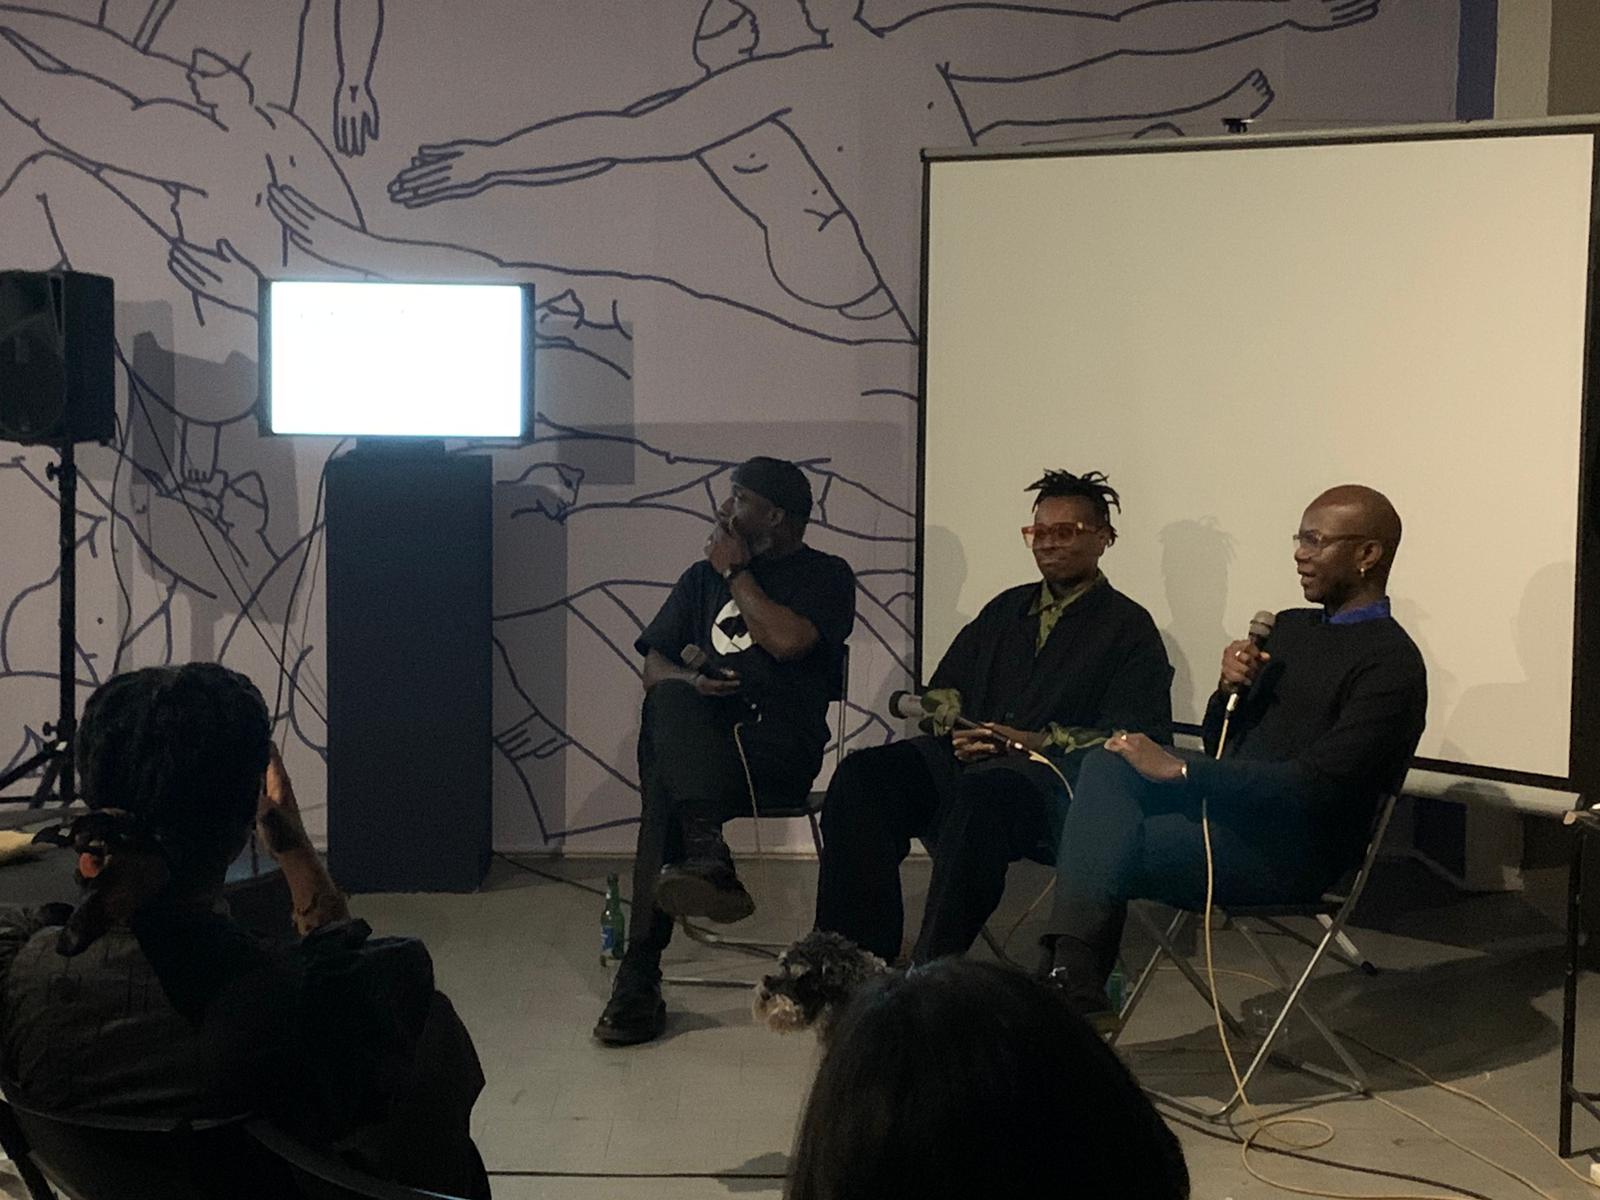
{"x":811,"y":809}
{"x":1332,"y":911}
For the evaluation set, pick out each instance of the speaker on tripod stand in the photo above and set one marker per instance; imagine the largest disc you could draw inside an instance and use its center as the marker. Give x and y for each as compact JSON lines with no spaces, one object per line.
{"x":57,"y":388}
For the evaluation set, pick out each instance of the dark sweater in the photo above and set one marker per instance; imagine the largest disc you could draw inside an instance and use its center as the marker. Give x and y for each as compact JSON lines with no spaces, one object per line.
{"x":1103,"y":667}
{"x":1327,"y":729}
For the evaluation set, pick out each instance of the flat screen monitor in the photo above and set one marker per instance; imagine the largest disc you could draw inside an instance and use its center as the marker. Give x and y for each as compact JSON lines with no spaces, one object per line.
{"x":396,"y":360}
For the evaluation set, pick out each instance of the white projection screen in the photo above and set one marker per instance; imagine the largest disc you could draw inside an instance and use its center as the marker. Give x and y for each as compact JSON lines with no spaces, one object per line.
{"x":1227,"y":328}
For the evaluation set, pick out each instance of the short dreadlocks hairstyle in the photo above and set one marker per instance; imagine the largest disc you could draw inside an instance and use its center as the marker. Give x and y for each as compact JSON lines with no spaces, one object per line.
{"x":1091,"y":485}
{"x":182,"y":751}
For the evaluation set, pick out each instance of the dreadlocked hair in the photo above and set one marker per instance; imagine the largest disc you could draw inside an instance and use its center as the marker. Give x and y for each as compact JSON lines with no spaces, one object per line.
{"x":170,"y":761}
{"x":1092,"y":486}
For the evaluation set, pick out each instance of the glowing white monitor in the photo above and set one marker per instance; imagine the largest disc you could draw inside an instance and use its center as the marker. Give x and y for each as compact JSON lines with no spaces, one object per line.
{"x":436,"y":360}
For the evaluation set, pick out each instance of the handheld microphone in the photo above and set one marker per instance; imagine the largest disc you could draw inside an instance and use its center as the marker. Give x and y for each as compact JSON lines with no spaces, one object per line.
{"x":696,"y":660}
{"x":910,"y":706}
{"x":1260,"y":629}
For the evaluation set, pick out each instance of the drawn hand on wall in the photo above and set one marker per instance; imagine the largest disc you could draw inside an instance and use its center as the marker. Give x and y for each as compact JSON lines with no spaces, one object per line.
{"x":222,"y":275}
{"x":359,"y":27}
{"x":318,"y":232}
{"x":466,"y":166}
{"x":1315,"y":15}
{"x":355,"y":118}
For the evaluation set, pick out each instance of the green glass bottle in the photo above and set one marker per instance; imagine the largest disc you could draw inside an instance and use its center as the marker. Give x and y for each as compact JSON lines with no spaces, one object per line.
{"x":1116,"y":987}
{"x":613,"y":922}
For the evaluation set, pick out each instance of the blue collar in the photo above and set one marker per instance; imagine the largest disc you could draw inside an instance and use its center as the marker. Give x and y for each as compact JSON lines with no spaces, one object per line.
{"x":1367,"y":612}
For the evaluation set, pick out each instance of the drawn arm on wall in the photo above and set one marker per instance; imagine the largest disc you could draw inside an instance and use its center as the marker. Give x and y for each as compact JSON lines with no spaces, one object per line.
{"x":190,"y":154}
{"x":329,"y":239}
{"x":197,"y":130}
{"x":818,"y":94}
{"x":354,"y":30}
{"x":358,"y":27}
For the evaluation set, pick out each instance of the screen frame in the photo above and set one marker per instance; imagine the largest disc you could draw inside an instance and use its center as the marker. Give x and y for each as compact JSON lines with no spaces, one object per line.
{"x":1583,"y":754}
{"x":264,"y":362}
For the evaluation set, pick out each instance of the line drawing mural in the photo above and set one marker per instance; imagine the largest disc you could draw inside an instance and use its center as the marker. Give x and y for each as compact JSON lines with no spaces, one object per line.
{"x":190,"y":147}
{"x":814,"y":92}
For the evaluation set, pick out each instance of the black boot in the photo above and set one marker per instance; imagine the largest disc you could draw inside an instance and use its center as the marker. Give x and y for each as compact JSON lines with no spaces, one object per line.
{"x":1076,"y":973}
{"x":636,"y":1012}
{"x":704,"y":883}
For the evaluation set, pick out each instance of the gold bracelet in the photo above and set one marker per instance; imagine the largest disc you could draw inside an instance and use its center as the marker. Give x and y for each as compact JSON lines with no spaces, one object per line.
{"x":1183,"y":772}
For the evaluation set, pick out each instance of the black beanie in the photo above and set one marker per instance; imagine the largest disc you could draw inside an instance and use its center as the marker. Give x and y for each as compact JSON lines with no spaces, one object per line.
{"x":779,"y":482}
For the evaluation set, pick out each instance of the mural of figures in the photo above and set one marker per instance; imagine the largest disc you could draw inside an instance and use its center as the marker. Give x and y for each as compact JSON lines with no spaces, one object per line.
{"x":718,"y":202}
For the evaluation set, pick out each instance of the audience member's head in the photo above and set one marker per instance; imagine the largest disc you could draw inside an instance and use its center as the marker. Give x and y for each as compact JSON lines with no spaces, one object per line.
{"x":963,"y":1079}
{"x":170,"y":761}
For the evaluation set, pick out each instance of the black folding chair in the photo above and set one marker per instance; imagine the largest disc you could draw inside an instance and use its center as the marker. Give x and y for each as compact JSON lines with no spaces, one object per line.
{"x":1331,"y":912}
{"x":810,"y":808}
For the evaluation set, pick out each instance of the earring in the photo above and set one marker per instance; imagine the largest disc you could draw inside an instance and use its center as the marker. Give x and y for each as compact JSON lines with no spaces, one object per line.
{"x":1363,"y":572}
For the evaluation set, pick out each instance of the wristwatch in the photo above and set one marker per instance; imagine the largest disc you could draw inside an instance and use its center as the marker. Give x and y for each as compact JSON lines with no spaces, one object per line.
{"x":736,"y":569}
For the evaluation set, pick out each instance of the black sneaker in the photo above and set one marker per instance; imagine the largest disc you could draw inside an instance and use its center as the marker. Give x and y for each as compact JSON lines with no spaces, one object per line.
{"x":636,"y":1012}
{"x":705,"y":888}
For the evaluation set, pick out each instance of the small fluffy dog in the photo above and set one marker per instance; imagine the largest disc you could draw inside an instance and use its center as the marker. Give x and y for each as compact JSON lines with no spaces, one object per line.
{"x":815,"y":979}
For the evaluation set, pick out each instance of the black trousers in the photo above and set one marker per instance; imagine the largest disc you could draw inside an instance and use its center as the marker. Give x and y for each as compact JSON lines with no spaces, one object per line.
{"x":691,"y":776}
{"x":1126,"y":838}
{"x":975,"y":819}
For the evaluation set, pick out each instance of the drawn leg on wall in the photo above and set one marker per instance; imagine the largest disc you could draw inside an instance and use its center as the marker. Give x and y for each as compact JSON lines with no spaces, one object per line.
{"x":209,"y":160}
{"x":175,"y":180}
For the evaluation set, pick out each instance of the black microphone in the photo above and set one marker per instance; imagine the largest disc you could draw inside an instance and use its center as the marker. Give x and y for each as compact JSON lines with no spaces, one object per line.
{"x":911,"y":706}
{"x":697,"y":661}
{"x":1260,"y":629}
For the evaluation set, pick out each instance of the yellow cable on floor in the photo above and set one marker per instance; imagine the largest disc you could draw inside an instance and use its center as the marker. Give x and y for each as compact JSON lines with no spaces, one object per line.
{"x":1263,"y":1125}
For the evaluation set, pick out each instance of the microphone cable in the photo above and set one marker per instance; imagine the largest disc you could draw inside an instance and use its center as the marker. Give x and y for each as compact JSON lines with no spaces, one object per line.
{"x":1326,"y":1132}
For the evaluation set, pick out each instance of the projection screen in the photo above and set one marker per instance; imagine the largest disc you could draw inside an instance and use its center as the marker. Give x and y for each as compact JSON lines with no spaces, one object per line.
{"x":1228,"y":328}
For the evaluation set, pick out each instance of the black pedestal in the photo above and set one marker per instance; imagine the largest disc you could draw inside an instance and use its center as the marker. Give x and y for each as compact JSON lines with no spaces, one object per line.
{"x":409,"y":645}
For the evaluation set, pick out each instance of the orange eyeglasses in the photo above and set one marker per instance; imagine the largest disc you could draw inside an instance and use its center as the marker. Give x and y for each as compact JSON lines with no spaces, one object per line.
{"x":1063,"y":532}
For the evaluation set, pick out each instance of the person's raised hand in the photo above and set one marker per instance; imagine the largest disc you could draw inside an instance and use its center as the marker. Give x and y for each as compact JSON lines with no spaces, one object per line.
{"x":1241,"y":663}
{"x":278,"y":813}
{"x":725,"y":548}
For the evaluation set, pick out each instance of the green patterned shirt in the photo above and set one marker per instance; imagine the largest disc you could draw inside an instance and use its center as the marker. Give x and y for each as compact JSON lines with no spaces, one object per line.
{"x":1048,"y":607}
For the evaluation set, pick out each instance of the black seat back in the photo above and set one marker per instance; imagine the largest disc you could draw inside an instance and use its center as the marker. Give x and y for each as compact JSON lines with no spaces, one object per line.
{"x":100,"y":1159}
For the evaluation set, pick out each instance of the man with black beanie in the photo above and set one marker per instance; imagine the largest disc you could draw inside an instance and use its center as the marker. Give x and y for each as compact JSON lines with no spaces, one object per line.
{"x":740,"y":666}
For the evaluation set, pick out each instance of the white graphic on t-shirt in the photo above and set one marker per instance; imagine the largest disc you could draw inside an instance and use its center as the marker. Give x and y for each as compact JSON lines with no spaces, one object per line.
{"x":729,"y":633}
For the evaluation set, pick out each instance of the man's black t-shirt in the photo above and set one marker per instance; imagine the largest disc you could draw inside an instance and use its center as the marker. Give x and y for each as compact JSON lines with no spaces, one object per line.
{"x":701,"y":611}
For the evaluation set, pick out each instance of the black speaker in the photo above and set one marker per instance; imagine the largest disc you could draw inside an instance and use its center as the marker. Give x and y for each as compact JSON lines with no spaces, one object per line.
{"x":57,"y":359}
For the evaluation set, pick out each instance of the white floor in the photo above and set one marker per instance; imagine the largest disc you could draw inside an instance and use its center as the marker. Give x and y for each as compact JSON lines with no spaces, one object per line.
{"x":1469,"y":989}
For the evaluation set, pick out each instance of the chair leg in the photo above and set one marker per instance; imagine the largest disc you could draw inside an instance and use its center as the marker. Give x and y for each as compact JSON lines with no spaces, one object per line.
{"x":1164,"y":949}
{"x":995,"y":947}
{"x":1346,"y":952}
{"x":816,"y":833}
{"x":1356,"y":1081}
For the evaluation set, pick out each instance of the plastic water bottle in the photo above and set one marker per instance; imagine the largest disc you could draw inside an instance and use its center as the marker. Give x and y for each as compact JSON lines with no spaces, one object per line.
{"x":613,"y":923}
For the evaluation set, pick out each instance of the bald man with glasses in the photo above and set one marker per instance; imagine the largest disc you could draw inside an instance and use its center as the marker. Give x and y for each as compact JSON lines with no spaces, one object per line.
{"x":1054,"y":665}
{"x":1336,"y":701}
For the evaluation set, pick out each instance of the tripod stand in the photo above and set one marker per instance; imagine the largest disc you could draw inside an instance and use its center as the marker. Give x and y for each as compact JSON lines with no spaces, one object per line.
{"x":56,"y":756}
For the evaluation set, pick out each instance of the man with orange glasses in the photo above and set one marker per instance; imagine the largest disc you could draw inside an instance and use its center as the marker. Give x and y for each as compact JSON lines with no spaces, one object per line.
{"x":1052,"y":666}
